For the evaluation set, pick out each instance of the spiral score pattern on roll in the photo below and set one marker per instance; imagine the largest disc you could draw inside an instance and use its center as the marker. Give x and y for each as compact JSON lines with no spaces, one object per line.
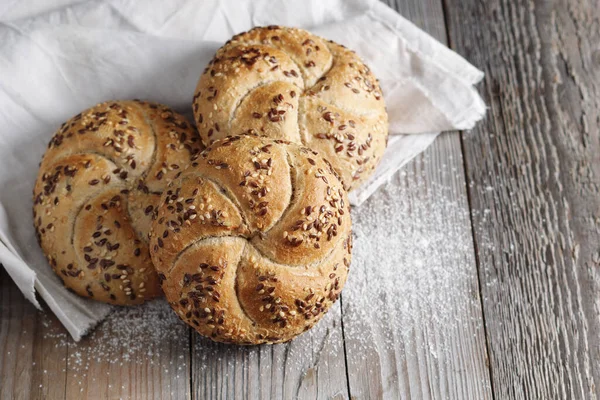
{"x":98,"y":184}
{"x":253,"y":242}
{"x":286,"y":83}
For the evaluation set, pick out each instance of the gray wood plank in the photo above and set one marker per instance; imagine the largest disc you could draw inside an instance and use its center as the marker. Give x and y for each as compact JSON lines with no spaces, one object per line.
{"x":39,"y":360}
{"x":424,"y":337}
{"x":427,"y":340}
{"x":534,"y":173}
{"x":32,"y":363}
{"x":140,"y":352}
{"x":312,"y":366}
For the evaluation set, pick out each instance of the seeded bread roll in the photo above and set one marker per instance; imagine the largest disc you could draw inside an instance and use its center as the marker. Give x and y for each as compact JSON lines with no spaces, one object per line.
{"x":98,"y":183}
{"x":286,"y":83}
{"x":253,"y":242}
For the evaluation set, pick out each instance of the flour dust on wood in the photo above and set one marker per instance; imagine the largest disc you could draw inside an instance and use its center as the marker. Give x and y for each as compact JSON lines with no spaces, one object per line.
{"x":412,"y":299}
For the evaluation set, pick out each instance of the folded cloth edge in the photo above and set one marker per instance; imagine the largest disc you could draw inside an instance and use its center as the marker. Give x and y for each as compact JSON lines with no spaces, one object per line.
{"x":12,"y":263}
{"x":77,"y":332}
{"x":429,"y":46}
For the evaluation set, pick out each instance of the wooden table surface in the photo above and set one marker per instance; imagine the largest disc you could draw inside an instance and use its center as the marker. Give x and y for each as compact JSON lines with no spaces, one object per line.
{"x":524,"y":185}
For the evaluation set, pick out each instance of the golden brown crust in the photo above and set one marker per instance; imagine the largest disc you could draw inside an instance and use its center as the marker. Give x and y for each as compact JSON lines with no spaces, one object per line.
{"x":286,"y":83}
{"x":253,"y":242}
{"x":98,"y":184}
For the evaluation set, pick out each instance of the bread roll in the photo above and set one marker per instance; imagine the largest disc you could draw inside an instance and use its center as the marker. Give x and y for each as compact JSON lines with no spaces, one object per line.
{"x":253,"y":242}
{"x":286,"y":83}
{"x":98,"y":183}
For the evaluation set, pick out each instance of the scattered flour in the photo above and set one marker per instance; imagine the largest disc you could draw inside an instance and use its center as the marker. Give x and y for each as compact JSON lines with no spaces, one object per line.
{"x":412,"y":286}
{"x":149,"y":335}
{"x":412,"y":289}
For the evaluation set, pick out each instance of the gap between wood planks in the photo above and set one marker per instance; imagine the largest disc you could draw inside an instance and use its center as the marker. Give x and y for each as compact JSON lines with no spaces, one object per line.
{"x":472,"y":222}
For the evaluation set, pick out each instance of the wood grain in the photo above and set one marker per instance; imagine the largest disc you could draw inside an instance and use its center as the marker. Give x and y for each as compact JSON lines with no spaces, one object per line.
{"x":32,"y":364}
{"x":431,"y":343}
{"x":435,"y":359}
{"x":125,"y":365}
{"x":312,"y":366}
{"x":534,"y":175}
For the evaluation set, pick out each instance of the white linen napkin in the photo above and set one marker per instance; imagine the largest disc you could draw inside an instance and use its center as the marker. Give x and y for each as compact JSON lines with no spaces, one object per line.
{"x":55,"y":62}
